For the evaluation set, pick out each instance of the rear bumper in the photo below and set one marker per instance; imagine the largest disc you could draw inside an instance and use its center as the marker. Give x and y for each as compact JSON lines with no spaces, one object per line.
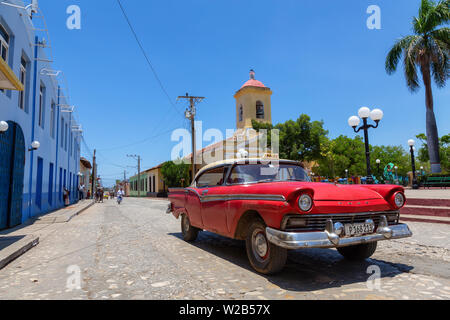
{"x":329,"y":239}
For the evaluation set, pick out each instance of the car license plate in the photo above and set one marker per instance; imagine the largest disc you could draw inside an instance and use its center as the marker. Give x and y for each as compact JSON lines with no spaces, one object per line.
{"x":359,"y":229}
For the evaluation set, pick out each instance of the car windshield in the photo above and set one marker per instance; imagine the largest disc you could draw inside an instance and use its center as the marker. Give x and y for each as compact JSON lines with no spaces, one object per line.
{"x":258,"y":173}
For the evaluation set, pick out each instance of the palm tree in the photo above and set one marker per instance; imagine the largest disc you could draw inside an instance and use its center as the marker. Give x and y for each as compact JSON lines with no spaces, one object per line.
{"x":429,"y":50}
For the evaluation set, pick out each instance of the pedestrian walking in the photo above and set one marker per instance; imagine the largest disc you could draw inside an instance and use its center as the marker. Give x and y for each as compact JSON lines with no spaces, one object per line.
{"x":81,"y":190}
{"x":66,"y":197}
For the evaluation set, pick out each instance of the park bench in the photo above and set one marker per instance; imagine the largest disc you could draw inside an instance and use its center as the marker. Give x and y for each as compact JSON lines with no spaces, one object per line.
{"x":442,"y":182}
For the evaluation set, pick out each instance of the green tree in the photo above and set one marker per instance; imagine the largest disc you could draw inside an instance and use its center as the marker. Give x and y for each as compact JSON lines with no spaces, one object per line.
{"x":345,"y":153}
{"x":390,"y":154}
{"x":175,"y":175}
{"x":340,"y":154}
{"x":299,"y":140}
{"x":444,"y":151}
{"x":428,"y":49}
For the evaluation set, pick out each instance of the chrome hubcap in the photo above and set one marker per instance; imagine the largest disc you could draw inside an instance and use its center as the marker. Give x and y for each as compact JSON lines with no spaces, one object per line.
{"x":260,"y":246}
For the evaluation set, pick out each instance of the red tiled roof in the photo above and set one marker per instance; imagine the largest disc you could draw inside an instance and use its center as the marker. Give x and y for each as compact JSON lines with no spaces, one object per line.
{"x":253,"y":83}
{"x":86,"y":163}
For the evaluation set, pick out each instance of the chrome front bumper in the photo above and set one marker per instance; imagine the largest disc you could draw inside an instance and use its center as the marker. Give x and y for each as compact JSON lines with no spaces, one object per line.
{"x":329,"y":239}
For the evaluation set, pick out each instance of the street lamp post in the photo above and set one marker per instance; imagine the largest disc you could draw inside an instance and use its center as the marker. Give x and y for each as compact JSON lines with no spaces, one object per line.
{"x":378,"y":168}
{"x":411,"y":144}
{"x":364,"y":113}
{"x":396,"y":174}
{"x":346,"y":176}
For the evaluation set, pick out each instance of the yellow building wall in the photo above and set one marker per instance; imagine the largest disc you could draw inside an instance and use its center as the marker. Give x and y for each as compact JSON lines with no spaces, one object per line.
{"x":159,"y":182}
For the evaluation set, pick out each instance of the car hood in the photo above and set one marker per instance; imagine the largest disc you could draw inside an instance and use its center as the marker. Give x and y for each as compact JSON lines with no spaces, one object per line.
{"x":321,"y":191}
{"x":324,"y":191}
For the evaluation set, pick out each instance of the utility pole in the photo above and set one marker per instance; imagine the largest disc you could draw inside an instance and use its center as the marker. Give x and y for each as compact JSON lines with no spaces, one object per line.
{"x":94,"y":173}
{"x":190,"y":115}
{"x":138,"y":158}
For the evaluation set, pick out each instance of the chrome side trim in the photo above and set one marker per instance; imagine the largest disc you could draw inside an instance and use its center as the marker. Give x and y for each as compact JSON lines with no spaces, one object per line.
{"x":194,"y":191}
{"x":291,"y":240}
{"x":233,"y":197}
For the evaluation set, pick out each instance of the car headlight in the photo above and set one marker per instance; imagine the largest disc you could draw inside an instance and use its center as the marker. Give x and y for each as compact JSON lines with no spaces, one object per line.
{"x":305,"y":202}
{"x":399,"y":200}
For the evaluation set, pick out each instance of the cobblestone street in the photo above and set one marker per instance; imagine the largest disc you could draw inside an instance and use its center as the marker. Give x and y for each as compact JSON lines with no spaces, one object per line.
{"x":135,"y":251}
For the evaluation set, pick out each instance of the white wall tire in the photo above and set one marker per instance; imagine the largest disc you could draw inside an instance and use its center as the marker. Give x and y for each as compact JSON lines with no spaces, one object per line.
{"x":265,"y":257}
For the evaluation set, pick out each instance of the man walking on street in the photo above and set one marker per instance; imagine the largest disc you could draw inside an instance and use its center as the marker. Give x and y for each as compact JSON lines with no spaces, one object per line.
{"x":81,"y":191}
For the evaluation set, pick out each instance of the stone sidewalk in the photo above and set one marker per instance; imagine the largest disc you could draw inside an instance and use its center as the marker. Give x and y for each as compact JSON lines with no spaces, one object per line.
{"x":15,"y":242}
{"x":428,"y":194}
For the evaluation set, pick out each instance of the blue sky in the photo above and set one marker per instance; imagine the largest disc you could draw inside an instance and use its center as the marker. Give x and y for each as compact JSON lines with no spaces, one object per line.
{"x":319,"y":58}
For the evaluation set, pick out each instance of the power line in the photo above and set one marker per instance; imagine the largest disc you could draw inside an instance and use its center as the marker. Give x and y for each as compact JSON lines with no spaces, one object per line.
{"x":86,"y":146}
{"x":139,"y":142}
{"x":146,"y":57}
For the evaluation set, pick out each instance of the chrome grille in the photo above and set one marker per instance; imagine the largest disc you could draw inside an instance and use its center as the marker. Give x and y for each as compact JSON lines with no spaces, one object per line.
{"x":318,"y":222}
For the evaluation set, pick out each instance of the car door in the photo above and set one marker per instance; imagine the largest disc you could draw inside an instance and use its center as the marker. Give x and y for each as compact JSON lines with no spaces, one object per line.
{"x":213,"y":200}
{"x":193,"y":207}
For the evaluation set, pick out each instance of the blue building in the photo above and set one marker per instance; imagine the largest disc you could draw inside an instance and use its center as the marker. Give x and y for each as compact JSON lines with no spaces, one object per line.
{"x":33,"y":108}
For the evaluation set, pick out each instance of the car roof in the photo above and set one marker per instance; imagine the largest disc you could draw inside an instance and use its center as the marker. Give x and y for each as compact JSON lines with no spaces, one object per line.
{"x":243,"y":161}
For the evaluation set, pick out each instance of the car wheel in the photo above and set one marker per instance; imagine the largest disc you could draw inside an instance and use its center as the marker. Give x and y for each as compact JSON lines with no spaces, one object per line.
{"x":358,"y":252}
{"x":190,"y":233}
{"x":265,"y":257}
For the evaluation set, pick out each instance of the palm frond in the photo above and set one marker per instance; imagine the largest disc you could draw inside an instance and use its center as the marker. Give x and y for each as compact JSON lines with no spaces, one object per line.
{"x":395,"y":53}
{"x":436,"y":16}
{"x":440,"y":52}
{"x":417,"y":25}
{"x":425,"y":7}
{"x":419,"y":21}
{"x":442,"y":35}
{"x":428,"y":49}
{"x":440,"y":66}
{"x":409,"y":61}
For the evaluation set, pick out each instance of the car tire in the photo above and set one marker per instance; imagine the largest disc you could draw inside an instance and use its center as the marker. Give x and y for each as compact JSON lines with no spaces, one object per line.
{"x":189,"y":232}
{"x":358,"y":252}
{"x":265,"y":257}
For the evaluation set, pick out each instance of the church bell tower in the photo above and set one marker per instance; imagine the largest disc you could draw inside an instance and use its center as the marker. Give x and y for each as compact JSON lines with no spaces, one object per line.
{"x":253,"y":102}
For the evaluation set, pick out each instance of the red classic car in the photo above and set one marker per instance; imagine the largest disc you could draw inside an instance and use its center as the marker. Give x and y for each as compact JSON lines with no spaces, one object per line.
{"x":276,"y":207}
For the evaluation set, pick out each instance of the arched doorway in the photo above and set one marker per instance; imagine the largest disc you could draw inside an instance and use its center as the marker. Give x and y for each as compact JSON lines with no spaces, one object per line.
{"x":12,"y":169}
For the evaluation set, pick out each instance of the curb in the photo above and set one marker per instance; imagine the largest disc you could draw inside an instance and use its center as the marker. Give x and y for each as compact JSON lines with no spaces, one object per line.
{"x":80,"y":211}
{"x":18,"y":248}
{"x":423,"y":220}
